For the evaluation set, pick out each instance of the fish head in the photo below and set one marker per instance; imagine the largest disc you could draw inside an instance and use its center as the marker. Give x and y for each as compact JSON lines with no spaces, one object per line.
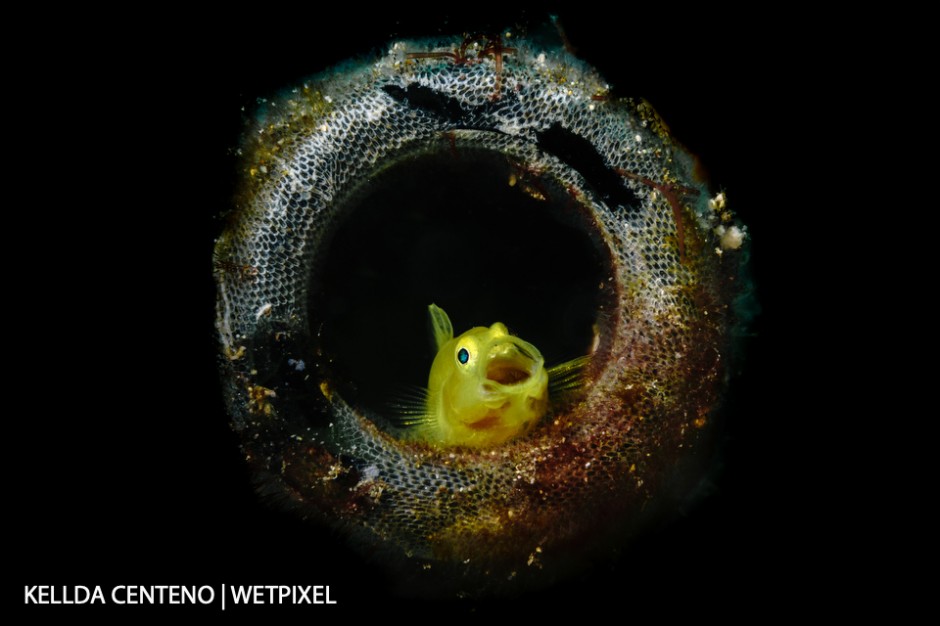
{"x":488,"y":386}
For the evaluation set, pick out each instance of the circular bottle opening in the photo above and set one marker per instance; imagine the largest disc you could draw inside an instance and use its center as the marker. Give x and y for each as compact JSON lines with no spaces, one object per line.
{"x":470,"y":230}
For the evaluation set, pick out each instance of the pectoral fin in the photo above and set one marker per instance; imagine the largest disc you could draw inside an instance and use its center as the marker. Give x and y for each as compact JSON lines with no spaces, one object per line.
{"x":408,"y":408}
{"x":441,"y":328}
{"x":568,"y":376}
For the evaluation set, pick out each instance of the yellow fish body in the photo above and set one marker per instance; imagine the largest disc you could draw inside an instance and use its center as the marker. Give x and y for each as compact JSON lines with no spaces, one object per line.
{"x":485,"y":387}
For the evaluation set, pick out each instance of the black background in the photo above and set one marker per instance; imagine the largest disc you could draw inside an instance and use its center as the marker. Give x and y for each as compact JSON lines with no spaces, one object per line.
{"x":126,"y":471}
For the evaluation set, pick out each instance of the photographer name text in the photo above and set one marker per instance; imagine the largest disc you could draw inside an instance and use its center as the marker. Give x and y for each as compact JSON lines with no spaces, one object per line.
{"x":224,"y":595}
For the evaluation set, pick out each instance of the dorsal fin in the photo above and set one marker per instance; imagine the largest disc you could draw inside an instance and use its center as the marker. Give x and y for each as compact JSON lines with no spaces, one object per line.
{"x":441,"y":328}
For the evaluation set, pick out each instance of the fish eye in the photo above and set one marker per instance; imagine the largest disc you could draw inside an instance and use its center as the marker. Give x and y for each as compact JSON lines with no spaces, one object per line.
{"x":463,"y":355}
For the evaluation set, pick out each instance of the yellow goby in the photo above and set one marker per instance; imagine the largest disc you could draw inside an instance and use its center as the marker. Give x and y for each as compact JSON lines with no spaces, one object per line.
{"x":486,"y":386}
